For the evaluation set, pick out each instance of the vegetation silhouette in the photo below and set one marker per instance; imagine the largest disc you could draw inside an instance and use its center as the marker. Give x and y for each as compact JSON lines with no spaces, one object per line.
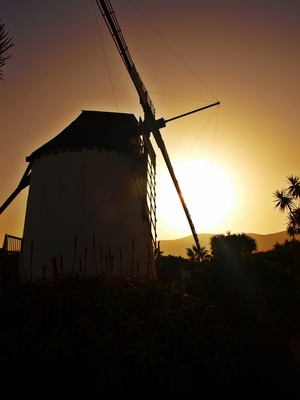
{"x":288,"y":200}
{"x":258,"y":295}
{"x":111,"y":335}
{"x":5,"y":45}
{"x":220,"y":324}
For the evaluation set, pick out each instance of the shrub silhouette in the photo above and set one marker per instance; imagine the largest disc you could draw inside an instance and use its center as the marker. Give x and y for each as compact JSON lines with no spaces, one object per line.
{"x":112,"y":336}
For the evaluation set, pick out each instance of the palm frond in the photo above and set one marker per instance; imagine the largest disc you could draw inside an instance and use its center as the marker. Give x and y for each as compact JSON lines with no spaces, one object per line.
{"x":294,"y":188}
{"x":5,"y":44}
{"x":283,"y":201}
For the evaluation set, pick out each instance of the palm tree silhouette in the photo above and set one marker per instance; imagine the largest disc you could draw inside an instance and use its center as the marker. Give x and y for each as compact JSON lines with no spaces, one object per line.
{"x":198,"y":255}
{"x":288,"y":199}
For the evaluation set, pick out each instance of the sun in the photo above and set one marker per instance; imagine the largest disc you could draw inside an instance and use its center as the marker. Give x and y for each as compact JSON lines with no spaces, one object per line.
{"x":207,"y":192}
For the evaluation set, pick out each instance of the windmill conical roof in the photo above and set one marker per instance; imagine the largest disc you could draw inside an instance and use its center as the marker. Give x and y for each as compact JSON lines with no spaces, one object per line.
{"x":93,"y":129}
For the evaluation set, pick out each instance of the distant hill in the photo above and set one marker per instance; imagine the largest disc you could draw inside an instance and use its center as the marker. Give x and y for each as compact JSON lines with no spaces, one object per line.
{"x":177,"y":247}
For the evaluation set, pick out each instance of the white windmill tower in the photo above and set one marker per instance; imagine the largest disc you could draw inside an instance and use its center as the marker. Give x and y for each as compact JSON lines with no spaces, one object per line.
{"x":91,"y":202}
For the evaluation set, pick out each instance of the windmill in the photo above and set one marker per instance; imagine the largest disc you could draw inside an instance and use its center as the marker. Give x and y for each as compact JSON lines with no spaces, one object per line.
{"x":91,"y":202}
{"x":150,"y":124}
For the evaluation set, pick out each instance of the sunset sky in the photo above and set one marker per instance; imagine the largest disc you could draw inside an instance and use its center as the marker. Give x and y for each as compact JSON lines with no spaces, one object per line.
{"x":189,"y":53}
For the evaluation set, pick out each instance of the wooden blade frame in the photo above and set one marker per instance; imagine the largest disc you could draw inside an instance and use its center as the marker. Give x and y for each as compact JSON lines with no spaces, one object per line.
{"x":24,"y":182}
{"x":150,"y":124}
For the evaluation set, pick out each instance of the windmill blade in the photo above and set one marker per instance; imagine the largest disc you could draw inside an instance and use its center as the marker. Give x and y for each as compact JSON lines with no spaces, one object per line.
{"x":150,"y":124}
{"x":24,"y":182}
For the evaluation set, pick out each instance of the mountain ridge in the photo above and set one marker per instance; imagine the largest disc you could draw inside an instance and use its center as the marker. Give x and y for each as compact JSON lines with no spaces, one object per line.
{"x":177,"y":247}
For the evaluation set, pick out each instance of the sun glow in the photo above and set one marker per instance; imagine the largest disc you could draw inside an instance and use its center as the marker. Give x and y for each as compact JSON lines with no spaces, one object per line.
{"x":207,"y":192}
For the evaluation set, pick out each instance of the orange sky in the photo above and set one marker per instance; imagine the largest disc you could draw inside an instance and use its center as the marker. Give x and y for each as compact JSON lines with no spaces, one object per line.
{"x":189,"y":54}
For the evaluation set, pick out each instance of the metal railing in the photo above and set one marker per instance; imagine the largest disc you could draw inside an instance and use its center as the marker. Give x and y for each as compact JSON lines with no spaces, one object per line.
{"x":11,"y":244}
{"x":9,"y":263}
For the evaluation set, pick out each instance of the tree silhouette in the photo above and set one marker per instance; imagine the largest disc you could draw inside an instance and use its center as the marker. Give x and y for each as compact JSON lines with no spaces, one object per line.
{"x":232,"y":244}
{"x":5,"y":44}
{"x":198,"y":255}
{"x":288,"y":199}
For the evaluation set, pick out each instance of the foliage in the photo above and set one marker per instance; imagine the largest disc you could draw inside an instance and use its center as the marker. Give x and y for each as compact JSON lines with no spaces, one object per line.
{"x":198,"y":255}
{"x":5,"y":45}
{"x":217,"y":325}
{"x":285,"y":256}
{"x":232,"y":244}
{"x":259,"y":296}
{"x":170,"y":268}
{"x":288,"y":200}
{"x":105,"y":336}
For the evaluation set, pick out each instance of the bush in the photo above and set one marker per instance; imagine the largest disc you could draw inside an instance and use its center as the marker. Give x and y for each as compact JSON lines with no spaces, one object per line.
{"x":106,"y":336}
